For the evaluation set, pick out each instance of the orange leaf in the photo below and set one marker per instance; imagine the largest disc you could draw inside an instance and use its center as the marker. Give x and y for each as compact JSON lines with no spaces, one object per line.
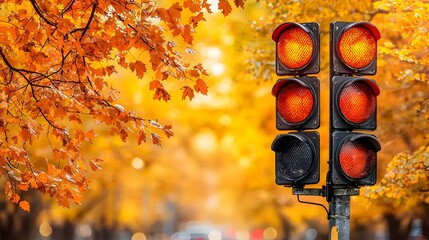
{"x":187,"y":36}
{"x":239,"y":3}
{"x":42,"y":177}
{"x":14,"y":198}
{"x":167,"y":131}
{"x":25,"y":134}
{"x":225,"y":7}
{"x":175,"y":11}
{"x":95,"y":166}
{"x":77,"y":196}
{"x":154,"y":85}
{"x":193,"y":7}
{"x":90,"y":135}
{"x":194,"y":73}
{"x":139,"y":68}
{"x":59,"y":112}
{"x":79,"y":48}
{"x":156,"y":140}
{"x":141,"y":137}
{"x":23,"y":186}
{"x":207,"y":6}
{"x":161,"y":94}
{"x":24,"y":205}
{"x":198,"y":18}
{"x":201,"y":86}
{"x":187,"y":92}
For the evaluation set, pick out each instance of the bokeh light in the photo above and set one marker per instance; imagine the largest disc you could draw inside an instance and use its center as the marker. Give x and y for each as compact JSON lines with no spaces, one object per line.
{"x":45,"y":229}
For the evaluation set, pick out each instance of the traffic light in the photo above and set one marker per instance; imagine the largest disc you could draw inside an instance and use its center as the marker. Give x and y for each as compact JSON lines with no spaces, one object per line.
{"x":297,"y":103}
{"x":353,"y":103}
{"x":355,"y":159}
{"x":354,"y":48}
{"x":297,"y":48}
{"x":297,"y":158}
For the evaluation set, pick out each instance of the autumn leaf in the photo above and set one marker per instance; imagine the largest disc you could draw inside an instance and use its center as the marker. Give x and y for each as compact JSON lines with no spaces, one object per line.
{"x":175,"y":11}
{"x":167,"y":130}
{"x":141,"y":137}
{"x":161,"y":94}
{"x":201,"y":86}
{"x":239,"y":3}
{"x":192,"y":6}
{"x":14,"y":198}
{"x":196,"y":19}
{"x":155,"y":84}
{"x":24,"y":205}
{"x":94,"y":165}
{"x":187,"y":35}
{"x":225,"y":7}
{"x":187,"y":92}
{"x":90,"y":135}
{"x":23,"y":186}
{"x":156,"y":140}
{"x":139,"y":68}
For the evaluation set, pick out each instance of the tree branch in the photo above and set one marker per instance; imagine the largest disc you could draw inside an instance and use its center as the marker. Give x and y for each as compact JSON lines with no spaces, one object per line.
{"x":67,"y":7}
{"x":94,"y":6}
{"x":40,"y":13}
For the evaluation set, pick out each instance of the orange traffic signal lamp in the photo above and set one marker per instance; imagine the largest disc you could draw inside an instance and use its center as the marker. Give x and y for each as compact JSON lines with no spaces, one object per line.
{"x":297,"y":158}
{"x":354,"y":46}
{"x":297,"y":48}
{"x":354,"y":160}
{"x":297,"y":103}
{"x":354,"y":103}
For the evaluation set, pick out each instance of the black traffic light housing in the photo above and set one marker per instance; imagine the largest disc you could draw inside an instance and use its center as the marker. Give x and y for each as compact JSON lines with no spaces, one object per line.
{"x":339,"y":65}
{"x":365,"y":91}
{"x":297,"y":103}
{"x":296,"y":98}
{"x":297,"y":158}
{"x":354,"y":159}
{"x":312,"y":65}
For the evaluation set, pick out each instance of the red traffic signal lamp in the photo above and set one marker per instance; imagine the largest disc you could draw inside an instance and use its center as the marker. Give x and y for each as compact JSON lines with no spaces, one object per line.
{"x":297,"y":48}
{"x":355,"y":159}
{"x":354,"y":103}
{"x":297,"y":103}
{"x":354,"y":46}
{"x":297,"y":158}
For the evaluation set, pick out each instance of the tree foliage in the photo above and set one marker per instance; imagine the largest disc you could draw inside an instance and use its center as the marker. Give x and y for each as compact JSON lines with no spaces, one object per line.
{"x":406,"y":179}
{"x":54,"y":60}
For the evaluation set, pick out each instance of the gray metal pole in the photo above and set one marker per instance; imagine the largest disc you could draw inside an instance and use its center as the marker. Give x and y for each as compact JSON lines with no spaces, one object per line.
{"x":339,"y":218}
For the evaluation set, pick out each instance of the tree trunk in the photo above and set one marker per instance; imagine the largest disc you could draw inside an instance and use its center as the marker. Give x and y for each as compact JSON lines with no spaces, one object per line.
{"x":394,"y":227}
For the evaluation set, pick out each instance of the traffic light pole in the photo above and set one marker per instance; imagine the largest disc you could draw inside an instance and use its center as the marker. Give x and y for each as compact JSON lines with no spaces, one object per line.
{"x":339,"y":218}
{"x":339,"y":206}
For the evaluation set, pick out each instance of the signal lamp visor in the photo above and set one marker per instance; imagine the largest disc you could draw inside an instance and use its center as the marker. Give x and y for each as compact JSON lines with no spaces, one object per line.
{"x":357,"y":47}
{"x":357,"y":159}
{"x":295,"y":48}
{"x":296,"y":159}
{"x":295,"y":102}
{"x":357,"y":102}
